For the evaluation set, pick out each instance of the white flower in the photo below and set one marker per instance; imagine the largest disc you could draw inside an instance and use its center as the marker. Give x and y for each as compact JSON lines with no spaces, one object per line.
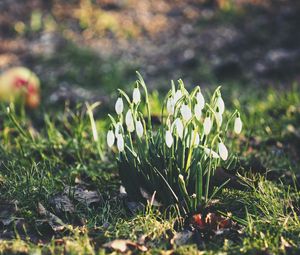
{"x":211,"y":153}
{"x":120,"y":143}
{"x":139,"y":128}
{"x":200,"y":100}
{"x":220,"y":104}
{"x":177,"y":96}
{"x":186,"y":112}
{"x":169,"y":138}
{"x":119,"y":106}
{"x":179,"y":127}
{"x":136,"y":96}
{"x":198,"y":111}
{"x":219,"y":118}
{"x":129,"y":121}
{"x":118,"y":129}
{"x":170,"y":106}
{"x":238,"y":125}
{"x":223,"y":152}
{"x":110,"y":138}
{"x":207,"y":124}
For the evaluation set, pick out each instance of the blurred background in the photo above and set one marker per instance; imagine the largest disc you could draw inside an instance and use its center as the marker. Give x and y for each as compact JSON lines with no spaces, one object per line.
{"x":85,"y":49}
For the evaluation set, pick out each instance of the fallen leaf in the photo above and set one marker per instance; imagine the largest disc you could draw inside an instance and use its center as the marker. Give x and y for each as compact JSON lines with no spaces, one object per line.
{"x":54,"y":222}
{"x":83,"y":195}
{"x":182,"y":238}
{"x":62,"y":203}
{"x":122,"y":245}
{"x":7,"y":211}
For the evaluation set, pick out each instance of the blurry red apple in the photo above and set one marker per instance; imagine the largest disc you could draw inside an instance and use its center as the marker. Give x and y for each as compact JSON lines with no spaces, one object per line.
{"x":19,"y":83}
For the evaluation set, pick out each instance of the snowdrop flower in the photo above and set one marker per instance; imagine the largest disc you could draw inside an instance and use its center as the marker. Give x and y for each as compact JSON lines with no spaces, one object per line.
{"x":120,"y":143}
{"x":198,"y":111}
{"x":200,"y":100}
{"x":186,"y":112}
{"x":119,"y":106}
{"x":219,"y":118}
{"x":223,"y":152}
{"x":136,"y":96}
{"x":169,"y":138}
{"x":207,"y":124}
{"x":238,"y":125}
{"x":211,"y":153}
{"x":170,"y":106}
{"x":129,"y":121}
{"x":179,"y":127}
{"x":110,"y":138}
{"x":177,"y":96}
{"x":139,"y":128}
{"x":118,"y":129}
{"x":220,"y":104}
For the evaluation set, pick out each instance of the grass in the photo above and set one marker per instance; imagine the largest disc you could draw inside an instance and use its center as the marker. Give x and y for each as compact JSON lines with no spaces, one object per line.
{"x":42,"y":153}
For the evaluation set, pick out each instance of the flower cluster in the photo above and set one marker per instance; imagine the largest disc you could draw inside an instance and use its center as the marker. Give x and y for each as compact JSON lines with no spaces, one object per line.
{"x":177,"y":158}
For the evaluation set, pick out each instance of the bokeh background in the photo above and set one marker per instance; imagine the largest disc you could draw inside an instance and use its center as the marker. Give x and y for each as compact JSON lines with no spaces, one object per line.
{"x":85,"y":49}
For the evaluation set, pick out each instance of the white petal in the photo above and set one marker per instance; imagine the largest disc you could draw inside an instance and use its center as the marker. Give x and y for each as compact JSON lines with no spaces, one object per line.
{"x":169,"y":138}
{"x":170,"y":106}
{"x":186,"y":112}
{"x":177,"y":96}
{"x":220,"y":104}
{"x":118,"y":129}
{"x":129,"y":121}
{"x":119,"y":106}
{"x":136,"y":96}
{"x":211,"y":153}
{"x":120,"y":143}
{"x":207,"y":125}
{"x":139,"y":129}
{"x":200,"y":100}
{"x":110,"y":138}
{"x":219,"y":118}
{"x":198,"y":111}
{"x":223,"y":152}
{"x":238,"y":125}
{"x":179,"y":127}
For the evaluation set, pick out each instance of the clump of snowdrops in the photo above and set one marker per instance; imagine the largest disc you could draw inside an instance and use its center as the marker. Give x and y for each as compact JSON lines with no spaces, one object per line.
{"x":171,"y":163}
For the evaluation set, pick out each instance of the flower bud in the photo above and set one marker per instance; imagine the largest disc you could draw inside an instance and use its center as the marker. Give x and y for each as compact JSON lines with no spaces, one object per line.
{"x":120,"y":143}
{"x":177,"y":96}
{"x":118,"y":129}
{"x":139,"y":128}
{"x":200,"y":100}
{"x":238,"y":125}
{"x":170,"y":106}
{"x":219,"y":118}
{"x":136,"y":96}
{"x":119,"y":106}
{"x":198,"y":111}
{"x":186,"y":112}
{"x":129,"y":121}
{"x":220,"y":104}
{"x":179,"y":127}
{"x":169,"y":138}
{"x":223,"y":152}
{"x":211,"y":153}
{"x":207,"y":124}
{"x":110,"y":138}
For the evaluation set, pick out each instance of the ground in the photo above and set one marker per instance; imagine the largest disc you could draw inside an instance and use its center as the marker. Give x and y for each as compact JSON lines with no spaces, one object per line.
{"x":60,"y":191}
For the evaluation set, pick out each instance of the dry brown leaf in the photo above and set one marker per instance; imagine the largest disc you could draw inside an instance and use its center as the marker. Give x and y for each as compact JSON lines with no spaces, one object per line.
{"x":182,"y":238}
{"x":55,"y":223}
{"x":83,"y":195}
{"x":123,"y":245}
